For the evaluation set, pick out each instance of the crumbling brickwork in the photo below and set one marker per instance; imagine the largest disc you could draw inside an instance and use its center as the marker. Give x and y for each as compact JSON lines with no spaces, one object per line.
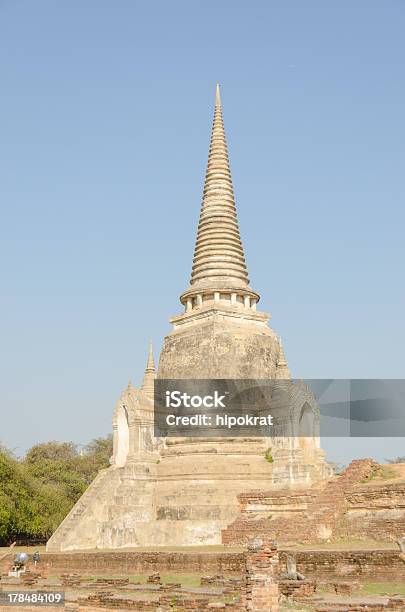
{"x":127,"y":563}
{"x":368,"y":565}
{"x":344,"y":507}
{"x":262,"y":567}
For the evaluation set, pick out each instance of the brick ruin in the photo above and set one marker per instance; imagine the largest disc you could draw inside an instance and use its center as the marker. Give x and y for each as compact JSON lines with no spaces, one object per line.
{"x":380,"y":564}
{"x":343,"y":507}
{"x":254,"y":579}
{"x":261,"y":591}
{"x":255,"y":589}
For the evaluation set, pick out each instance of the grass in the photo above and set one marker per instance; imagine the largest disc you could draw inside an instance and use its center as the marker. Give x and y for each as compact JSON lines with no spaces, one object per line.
{"x":296,"y":607}
{"x":384,"y":472}
{"x":186,"y":580}
{"x":383,"y":588}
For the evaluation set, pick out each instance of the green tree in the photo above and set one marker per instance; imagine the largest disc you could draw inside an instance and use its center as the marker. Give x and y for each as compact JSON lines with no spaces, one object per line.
{"x":28,"y":509}
{"x":52,"y":451}
{"x":37,"y":492}
{"x":55,"y":463}
{"x":95,"y":457}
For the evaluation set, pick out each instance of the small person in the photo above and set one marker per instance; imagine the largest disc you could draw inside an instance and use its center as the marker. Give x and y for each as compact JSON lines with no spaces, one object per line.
{"x":36,"y":557}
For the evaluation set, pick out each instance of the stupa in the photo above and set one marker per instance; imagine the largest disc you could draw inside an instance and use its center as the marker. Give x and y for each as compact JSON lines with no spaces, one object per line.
{"x":182,"y":491}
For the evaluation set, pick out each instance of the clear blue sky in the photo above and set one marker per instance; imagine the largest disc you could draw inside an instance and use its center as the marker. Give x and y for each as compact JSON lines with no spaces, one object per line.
{"x":106,"y":112}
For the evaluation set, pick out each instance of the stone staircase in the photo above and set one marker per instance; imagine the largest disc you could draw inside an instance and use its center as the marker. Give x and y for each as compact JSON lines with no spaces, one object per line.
{"x":89,"y":504}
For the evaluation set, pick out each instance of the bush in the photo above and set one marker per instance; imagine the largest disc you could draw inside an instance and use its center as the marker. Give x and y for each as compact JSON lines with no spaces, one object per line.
{"x":38,"y":491}
{"x":268,"y":456}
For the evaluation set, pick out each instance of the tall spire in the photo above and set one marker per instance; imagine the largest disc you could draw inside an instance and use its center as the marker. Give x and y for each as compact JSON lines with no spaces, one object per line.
{"x":150,"y":373}
{"x":219,"y":261}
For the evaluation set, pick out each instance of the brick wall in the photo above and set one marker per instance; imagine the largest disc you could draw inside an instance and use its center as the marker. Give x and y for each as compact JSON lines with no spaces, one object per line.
{"x":368,"y":565}
{"x":377,"y":510}
{"x":127,"y":563}
{"x":376,"y":565}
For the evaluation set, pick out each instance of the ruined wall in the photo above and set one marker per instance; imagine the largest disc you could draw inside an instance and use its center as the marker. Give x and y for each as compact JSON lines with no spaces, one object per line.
{"x":370,"y":565}
{"x":367,"y":565}
{"x":261,"y":578}
{"x":344,"y":508}
{"x":117,"y":563}
{"x":376,"y":511}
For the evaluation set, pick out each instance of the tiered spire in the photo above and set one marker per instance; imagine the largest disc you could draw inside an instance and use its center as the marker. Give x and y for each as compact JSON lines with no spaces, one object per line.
{"x":219,"y":260}
{"x":150,"y":373}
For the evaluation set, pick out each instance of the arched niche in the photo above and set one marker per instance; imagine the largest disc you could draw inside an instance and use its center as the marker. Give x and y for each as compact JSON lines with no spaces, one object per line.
{"x":306,"y":427}
{"x":122,"y":435}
